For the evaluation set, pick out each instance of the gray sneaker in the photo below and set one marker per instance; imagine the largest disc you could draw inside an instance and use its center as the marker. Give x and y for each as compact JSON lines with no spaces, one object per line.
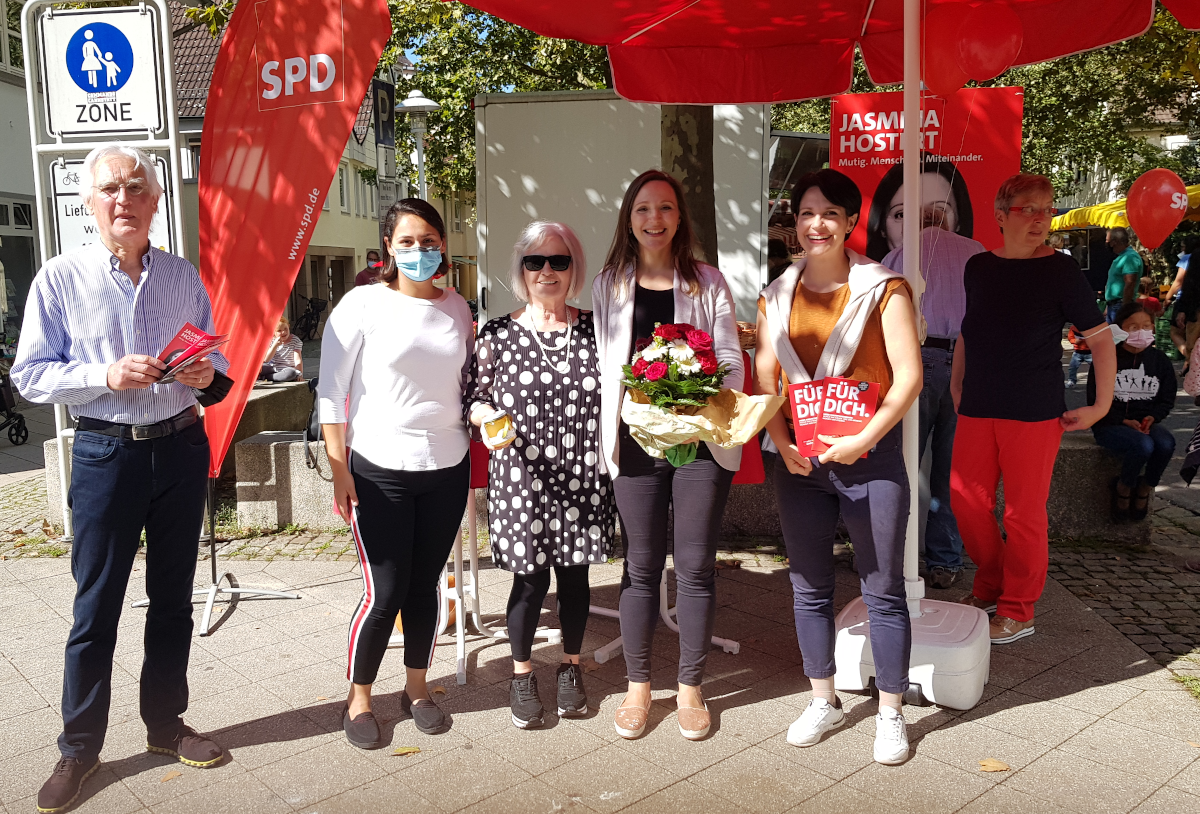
{"x":942,"y":577}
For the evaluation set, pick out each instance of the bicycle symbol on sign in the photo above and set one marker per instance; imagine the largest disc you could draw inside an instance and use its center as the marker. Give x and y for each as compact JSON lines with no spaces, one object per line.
{"x":71,"y":178}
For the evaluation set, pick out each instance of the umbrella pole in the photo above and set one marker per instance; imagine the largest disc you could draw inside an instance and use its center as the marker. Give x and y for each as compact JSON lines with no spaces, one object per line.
{"x":910,"y":143}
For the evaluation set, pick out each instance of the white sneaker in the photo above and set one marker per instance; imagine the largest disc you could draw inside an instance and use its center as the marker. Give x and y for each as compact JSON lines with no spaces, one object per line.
{"x":891,"y":737}
{"x":819,"y":717}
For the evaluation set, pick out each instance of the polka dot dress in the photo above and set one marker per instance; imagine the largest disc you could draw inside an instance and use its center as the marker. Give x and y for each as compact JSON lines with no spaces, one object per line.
{"x":549,"y":503}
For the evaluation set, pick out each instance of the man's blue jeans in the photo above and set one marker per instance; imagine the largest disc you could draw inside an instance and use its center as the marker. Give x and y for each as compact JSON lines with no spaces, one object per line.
{"x":119,"y":487}
{"x":1138,"y":450}
{"x":943,"y":543}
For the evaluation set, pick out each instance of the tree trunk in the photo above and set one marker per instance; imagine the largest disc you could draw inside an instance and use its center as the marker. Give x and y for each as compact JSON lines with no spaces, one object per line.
{"x":687,"y":156}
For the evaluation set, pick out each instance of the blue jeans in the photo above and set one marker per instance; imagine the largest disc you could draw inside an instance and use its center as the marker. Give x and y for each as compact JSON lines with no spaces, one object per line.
{"x":1110,"y":311}
{"x":943,"y":543}
{"x":118,"y":488}
{"x":1138,"y":450}
{"x":1077,"y":358}
{"x":871,"y":496}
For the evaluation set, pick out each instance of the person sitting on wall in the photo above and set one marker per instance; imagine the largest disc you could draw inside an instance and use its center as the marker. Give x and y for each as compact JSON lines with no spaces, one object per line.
{"x":284,"y":362}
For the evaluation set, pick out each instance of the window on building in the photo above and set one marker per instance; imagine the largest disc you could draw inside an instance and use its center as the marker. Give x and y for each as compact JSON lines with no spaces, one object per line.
{"x":372,"y":191}
{"x":23,"y":215}
{"x":343,"y":196}
{"x":12,"y":56}
{"x":458,"y":223}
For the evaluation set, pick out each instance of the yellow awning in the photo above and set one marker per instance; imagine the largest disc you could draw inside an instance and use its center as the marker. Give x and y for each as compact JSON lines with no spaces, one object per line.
{"x":1112,"y":214}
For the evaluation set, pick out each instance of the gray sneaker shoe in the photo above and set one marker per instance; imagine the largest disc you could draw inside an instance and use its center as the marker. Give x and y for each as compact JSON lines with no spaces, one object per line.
{"x":942,"y":577}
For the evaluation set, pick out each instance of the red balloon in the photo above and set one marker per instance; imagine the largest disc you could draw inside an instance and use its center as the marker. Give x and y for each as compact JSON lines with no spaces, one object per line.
{"x":1157,"y":202}
{"x":989,"y":41}
{"x":940,"y":68}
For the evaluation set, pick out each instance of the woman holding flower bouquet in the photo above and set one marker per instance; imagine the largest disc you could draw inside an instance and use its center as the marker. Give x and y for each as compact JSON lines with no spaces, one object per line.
{"x":533,"y":394}
{"x":652,"y":285}
{"x":838,"y":314}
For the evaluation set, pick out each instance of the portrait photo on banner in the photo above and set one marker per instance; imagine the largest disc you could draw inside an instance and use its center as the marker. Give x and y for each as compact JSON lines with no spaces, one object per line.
{"x":971,"y":142}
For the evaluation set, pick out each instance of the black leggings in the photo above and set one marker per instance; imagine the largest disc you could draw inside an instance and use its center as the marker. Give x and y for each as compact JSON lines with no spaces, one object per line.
{"x":646,"y":490}
{"x":525,"y":605}
{"x":404,"y":529}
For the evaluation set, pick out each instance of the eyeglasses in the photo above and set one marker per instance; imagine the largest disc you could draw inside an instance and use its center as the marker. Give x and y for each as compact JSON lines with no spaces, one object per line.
{"x":535,"y":262}
{"x":133,"y":188}
{"x":1033,"y":211}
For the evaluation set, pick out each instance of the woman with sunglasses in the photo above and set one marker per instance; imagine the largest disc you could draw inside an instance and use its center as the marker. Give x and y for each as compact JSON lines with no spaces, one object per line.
{"x":649,"y":278}
{"x":399,"y":353}
{"x":1006,"y":382}
{"x":549,"y":500}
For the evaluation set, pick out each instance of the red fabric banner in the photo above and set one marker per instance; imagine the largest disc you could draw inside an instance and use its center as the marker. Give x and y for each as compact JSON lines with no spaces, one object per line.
{"x":972,"y":143}
{"x":285,"y":92}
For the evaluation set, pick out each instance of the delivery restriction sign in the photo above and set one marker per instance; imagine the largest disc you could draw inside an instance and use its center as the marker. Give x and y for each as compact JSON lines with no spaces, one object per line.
{"x":101,"y":69}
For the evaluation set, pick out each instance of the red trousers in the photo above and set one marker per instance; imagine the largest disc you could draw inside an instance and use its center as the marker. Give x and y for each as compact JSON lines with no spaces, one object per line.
{"x":1012,"y":573}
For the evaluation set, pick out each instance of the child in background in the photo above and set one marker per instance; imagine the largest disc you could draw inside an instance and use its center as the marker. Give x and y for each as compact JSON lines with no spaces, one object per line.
{"x":1148,"y":297}
{"x":283,"y":362}
{"x":1143,"y":396}
{"x":1081,"y":353}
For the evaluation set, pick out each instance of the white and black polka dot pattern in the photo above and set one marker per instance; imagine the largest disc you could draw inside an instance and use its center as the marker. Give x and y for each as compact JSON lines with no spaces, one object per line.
{"x":549,"y":503}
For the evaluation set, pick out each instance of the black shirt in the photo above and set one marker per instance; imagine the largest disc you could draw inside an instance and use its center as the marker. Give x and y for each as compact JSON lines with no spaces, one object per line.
{"x":650,"y":308}
{"x":1145,"y":386}
{"x":1012,"y":334}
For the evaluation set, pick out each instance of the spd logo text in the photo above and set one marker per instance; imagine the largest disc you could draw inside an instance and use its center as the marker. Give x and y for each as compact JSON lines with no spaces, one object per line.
{"x":297,"y":65}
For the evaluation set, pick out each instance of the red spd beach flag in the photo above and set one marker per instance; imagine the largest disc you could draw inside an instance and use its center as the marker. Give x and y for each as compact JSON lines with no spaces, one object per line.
{"x":285,"y":92}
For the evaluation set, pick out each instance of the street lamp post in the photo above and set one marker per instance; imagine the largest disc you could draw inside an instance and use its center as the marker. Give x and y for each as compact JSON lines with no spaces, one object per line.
{"x":418,"y":109}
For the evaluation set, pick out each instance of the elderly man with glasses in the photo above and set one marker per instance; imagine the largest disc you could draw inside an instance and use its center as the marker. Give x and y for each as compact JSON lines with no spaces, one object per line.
{"x":95,"y":321}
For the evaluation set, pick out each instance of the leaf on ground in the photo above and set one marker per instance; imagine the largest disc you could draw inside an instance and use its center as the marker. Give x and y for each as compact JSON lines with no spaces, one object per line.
{"x":590,"y":665}
{"x":18,"y":545}
{"x":404,"y":751}
{"x":47,"y":529}
{"x":729,"y":563}
{"x":1193,"y":743}
{"x":990,"y":764}
{"x":322,"y":698}
{"x":170,"y":776}
{"x":437,"y":690}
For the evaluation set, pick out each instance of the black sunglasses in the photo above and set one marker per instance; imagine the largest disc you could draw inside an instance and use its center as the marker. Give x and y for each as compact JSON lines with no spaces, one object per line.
{"x":535,"y":262}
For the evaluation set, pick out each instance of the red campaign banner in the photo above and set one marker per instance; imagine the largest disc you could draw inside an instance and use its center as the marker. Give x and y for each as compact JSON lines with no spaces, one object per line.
{"x":970,"y":144}
{"x":285,"y":92}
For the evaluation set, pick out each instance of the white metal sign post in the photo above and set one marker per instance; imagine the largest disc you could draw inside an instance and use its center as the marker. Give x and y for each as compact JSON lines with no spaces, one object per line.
{"x":97,"y":75}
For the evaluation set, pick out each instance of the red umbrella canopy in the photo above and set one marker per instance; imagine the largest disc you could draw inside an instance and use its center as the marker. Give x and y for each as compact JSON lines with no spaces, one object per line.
{"x":758,"y":51}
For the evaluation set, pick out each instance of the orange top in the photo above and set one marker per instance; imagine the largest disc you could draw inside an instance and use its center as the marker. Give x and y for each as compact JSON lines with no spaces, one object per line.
{"x":812,"y":320}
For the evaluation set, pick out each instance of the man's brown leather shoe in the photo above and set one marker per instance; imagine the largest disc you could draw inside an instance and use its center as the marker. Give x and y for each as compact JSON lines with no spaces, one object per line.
{"x":62,"y":789}
{"x":189,"y":746}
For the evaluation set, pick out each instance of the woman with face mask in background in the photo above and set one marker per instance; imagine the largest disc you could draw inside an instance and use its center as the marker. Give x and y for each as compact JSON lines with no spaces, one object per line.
{"x":1143,"y":395}
{"x":400,"y":353}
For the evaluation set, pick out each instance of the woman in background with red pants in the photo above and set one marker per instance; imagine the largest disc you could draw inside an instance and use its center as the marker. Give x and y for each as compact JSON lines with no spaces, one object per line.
{"x":1007,"y":385}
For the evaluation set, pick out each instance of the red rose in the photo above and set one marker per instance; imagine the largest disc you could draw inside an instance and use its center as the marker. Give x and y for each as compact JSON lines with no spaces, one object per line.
{"x":639,"y":367}
{"x":699,"y":340}
{"x":642,"y":344}
{"x":684,"y":327}
{"x":668,"y":332}
{"x":656,"y":371}
{"x":708,"y":362}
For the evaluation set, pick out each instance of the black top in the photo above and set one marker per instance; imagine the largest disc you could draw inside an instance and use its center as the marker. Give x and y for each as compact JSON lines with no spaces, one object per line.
{"x":1012,"y":334}
{"x":1145,"y":386}
{"x":650,"y":308}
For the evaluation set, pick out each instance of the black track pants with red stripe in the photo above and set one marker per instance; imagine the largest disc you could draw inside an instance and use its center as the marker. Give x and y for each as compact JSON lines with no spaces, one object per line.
{"x":404,"y":529}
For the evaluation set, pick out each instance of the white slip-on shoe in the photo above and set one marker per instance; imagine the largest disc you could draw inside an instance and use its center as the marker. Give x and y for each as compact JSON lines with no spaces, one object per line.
{"x":819,"y":717}
{"x":891,"y":737}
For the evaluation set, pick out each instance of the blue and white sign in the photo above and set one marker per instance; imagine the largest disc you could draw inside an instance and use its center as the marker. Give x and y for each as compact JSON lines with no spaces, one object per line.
{"x":102,"y":71}
{"x":99,"y":58}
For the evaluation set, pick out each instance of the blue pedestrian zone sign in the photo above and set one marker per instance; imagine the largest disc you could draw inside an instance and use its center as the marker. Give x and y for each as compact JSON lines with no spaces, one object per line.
{"x":102,"y":71}
{"x":99,"y":58}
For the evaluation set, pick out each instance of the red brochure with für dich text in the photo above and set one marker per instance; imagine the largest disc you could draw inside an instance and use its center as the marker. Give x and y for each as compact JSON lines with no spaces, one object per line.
{"x":805,"y":399}
{"x":846,"y":409}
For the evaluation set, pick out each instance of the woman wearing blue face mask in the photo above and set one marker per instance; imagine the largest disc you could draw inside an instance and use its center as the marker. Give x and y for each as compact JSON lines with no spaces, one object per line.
{"x":395,"y":359}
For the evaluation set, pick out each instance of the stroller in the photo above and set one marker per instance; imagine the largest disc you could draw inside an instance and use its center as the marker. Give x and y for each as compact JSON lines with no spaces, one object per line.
{"x":14,"y":422}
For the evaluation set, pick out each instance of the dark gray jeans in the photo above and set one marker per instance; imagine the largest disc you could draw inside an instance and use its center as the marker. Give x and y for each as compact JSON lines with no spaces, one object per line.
{"x":943,"y":543}
{"x":872,"y":498}
{"x":645,"y":490}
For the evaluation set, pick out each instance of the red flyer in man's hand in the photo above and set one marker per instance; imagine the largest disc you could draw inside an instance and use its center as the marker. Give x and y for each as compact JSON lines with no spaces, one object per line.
{"x":189,"y":345}
{"x":848,"y":407}
{"x":805,"y":399}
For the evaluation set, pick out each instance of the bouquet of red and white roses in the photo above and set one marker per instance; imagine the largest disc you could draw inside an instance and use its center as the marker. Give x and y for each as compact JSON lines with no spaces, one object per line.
{"x":674,"y":398}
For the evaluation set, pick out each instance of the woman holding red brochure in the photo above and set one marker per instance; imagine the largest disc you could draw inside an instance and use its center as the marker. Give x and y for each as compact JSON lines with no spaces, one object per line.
{"x":835,"y":313}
